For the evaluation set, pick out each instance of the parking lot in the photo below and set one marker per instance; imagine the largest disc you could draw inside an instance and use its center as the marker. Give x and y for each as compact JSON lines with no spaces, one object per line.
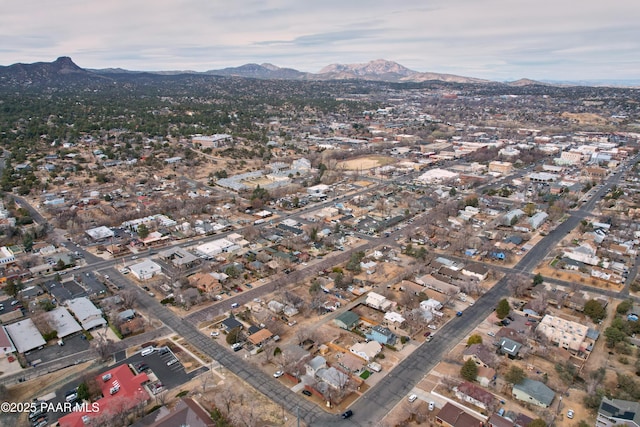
{"x":72,"y":345}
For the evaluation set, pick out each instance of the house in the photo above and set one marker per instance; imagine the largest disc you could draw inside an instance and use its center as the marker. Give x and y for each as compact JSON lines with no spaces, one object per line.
{"x":534,"y":392}
{"x":366,"y":350}
{"x":437,"y":285}
{"x":509,"y":347}
{"x":475,"y":395}
{"x":351,"y":362}
{"x":122,"y":391}
{"x":88,"y":314}
{"x":187,"y":412}
{"x":347,"y":320}
{"x":314,"y":365}
{"x":188,"y":296}
{"x":485,"y":376}
{"x":430,"y":305}
{"x":496,"y":420}
{"x":453,"y":416}
{"x":393,"y":317}
{"x":275,"y":306}
{"x":335,"y":378}
{"x":576,"y":302}
{"x":230,"y":323}
{"x":477,"y":271}
{"x":616,"y":412}
{"x":368,"y":267}
{"x":585,"y":253}
{"x":537,"y":220}
{"x":260,"y":337}
{"x":382,"y":335}
{"x":377,"y":301}
{"x":205,"y":282}
{"x":480,"y":354}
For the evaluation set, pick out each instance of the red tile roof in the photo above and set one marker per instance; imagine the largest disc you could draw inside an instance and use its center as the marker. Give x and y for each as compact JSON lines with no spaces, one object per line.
{"x":130,"y":393}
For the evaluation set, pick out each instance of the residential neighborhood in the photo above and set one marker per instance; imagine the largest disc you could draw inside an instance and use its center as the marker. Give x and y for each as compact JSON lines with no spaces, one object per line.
{"x":435,"y":255}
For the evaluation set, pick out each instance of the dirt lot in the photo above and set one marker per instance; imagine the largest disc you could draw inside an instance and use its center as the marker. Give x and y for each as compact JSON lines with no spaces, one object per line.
{"x":364,"y":163}
{"x":576,"y":277}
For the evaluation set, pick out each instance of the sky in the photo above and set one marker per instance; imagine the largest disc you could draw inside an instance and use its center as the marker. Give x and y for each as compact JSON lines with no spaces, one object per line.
{"x":501,"y":40}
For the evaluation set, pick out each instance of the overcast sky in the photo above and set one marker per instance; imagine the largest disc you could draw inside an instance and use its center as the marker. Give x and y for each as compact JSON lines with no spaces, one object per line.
{"x":493,"y":39}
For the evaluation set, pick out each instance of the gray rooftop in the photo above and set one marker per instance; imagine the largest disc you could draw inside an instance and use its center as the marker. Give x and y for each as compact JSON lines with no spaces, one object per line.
{"x":537,"y":390}
{"x":25,"y":335}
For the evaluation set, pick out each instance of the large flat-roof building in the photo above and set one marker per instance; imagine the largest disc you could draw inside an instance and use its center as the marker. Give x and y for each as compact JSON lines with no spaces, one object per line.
{"x":145,"y":269}
{"x":564,"y":333}
{"x":100,"y":233}
{"x":25,"y":336}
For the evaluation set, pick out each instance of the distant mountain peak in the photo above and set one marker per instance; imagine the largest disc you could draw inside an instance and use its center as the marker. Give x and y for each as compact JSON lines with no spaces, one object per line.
{"x":45,"y":73}
{"x":378,"y":67}
{"x":65,"y":64}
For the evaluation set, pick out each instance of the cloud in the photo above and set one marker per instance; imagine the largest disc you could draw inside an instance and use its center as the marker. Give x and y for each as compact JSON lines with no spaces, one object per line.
{"x":496,"y":39}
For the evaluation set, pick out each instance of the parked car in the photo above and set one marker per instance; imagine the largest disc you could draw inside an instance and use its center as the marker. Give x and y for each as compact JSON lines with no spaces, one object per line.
{"x":278,"y":374}
{"x":413,"y":398}
{"x":432,"y":405}
{"x":306,"y":392}
{"x":347,"y":414}
{"x":570,"y":414}
{"x":459,"y":314}
{"x":214,"y":333}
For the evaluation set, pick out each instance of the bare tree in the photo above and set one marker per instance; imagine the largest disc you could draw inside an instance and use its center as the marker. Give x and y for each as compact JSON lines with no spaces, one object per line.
{"x":519,"y":285}
{"x":225,"y":398}
{"x":540,"y":302}
{"x":102,"y":346}
{"x":129,"y":298}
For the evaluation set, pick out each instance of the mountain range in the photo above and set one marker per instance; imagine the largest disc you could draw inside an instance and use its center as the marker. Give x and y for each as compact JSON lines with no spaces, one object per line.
{"x":64,"y":69}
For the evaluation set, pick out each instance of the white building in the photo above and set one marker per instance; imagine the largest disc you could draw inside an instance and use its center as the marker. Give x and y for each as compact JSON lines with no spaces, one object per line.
{"x":366,"y":350}
{"x":377,"y":301}
{"x":216,"y":247}
{"x":145,"y":270}
{"x":6,"y":255}
{"x":25,"y":336}
{"x":63,"y":322}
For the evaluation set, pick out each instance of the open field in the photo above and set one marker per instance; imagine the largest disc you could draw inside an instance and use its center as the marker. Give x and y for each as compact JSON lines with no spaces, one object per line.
{"x":365,"y":163}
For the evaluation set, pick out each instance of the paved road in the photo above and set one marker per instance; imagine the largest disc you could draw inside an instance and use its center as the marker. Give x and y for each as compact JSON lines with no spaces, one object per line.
{"x":382,"y":397}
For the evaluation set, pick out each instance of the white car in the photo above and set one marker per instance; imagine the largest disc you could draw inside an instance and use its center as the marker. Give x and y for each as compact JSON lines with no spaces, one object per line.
{"x":570,"y":414}
{"x":432,"y":405}
{"x":413,"y":398}
{"x":215,"y":333}
{"x":278,"y":374}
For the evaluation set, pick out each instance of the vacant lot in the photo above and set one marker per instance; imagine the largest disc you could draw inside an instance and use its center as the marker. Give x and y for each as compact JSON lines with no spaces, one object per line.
{"x":365,"y":163}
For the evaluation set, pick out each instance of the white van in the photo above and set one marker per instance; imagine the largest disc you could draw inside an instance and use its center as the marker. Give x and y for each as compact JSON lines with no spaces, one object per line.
{"x":147,"y":351}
